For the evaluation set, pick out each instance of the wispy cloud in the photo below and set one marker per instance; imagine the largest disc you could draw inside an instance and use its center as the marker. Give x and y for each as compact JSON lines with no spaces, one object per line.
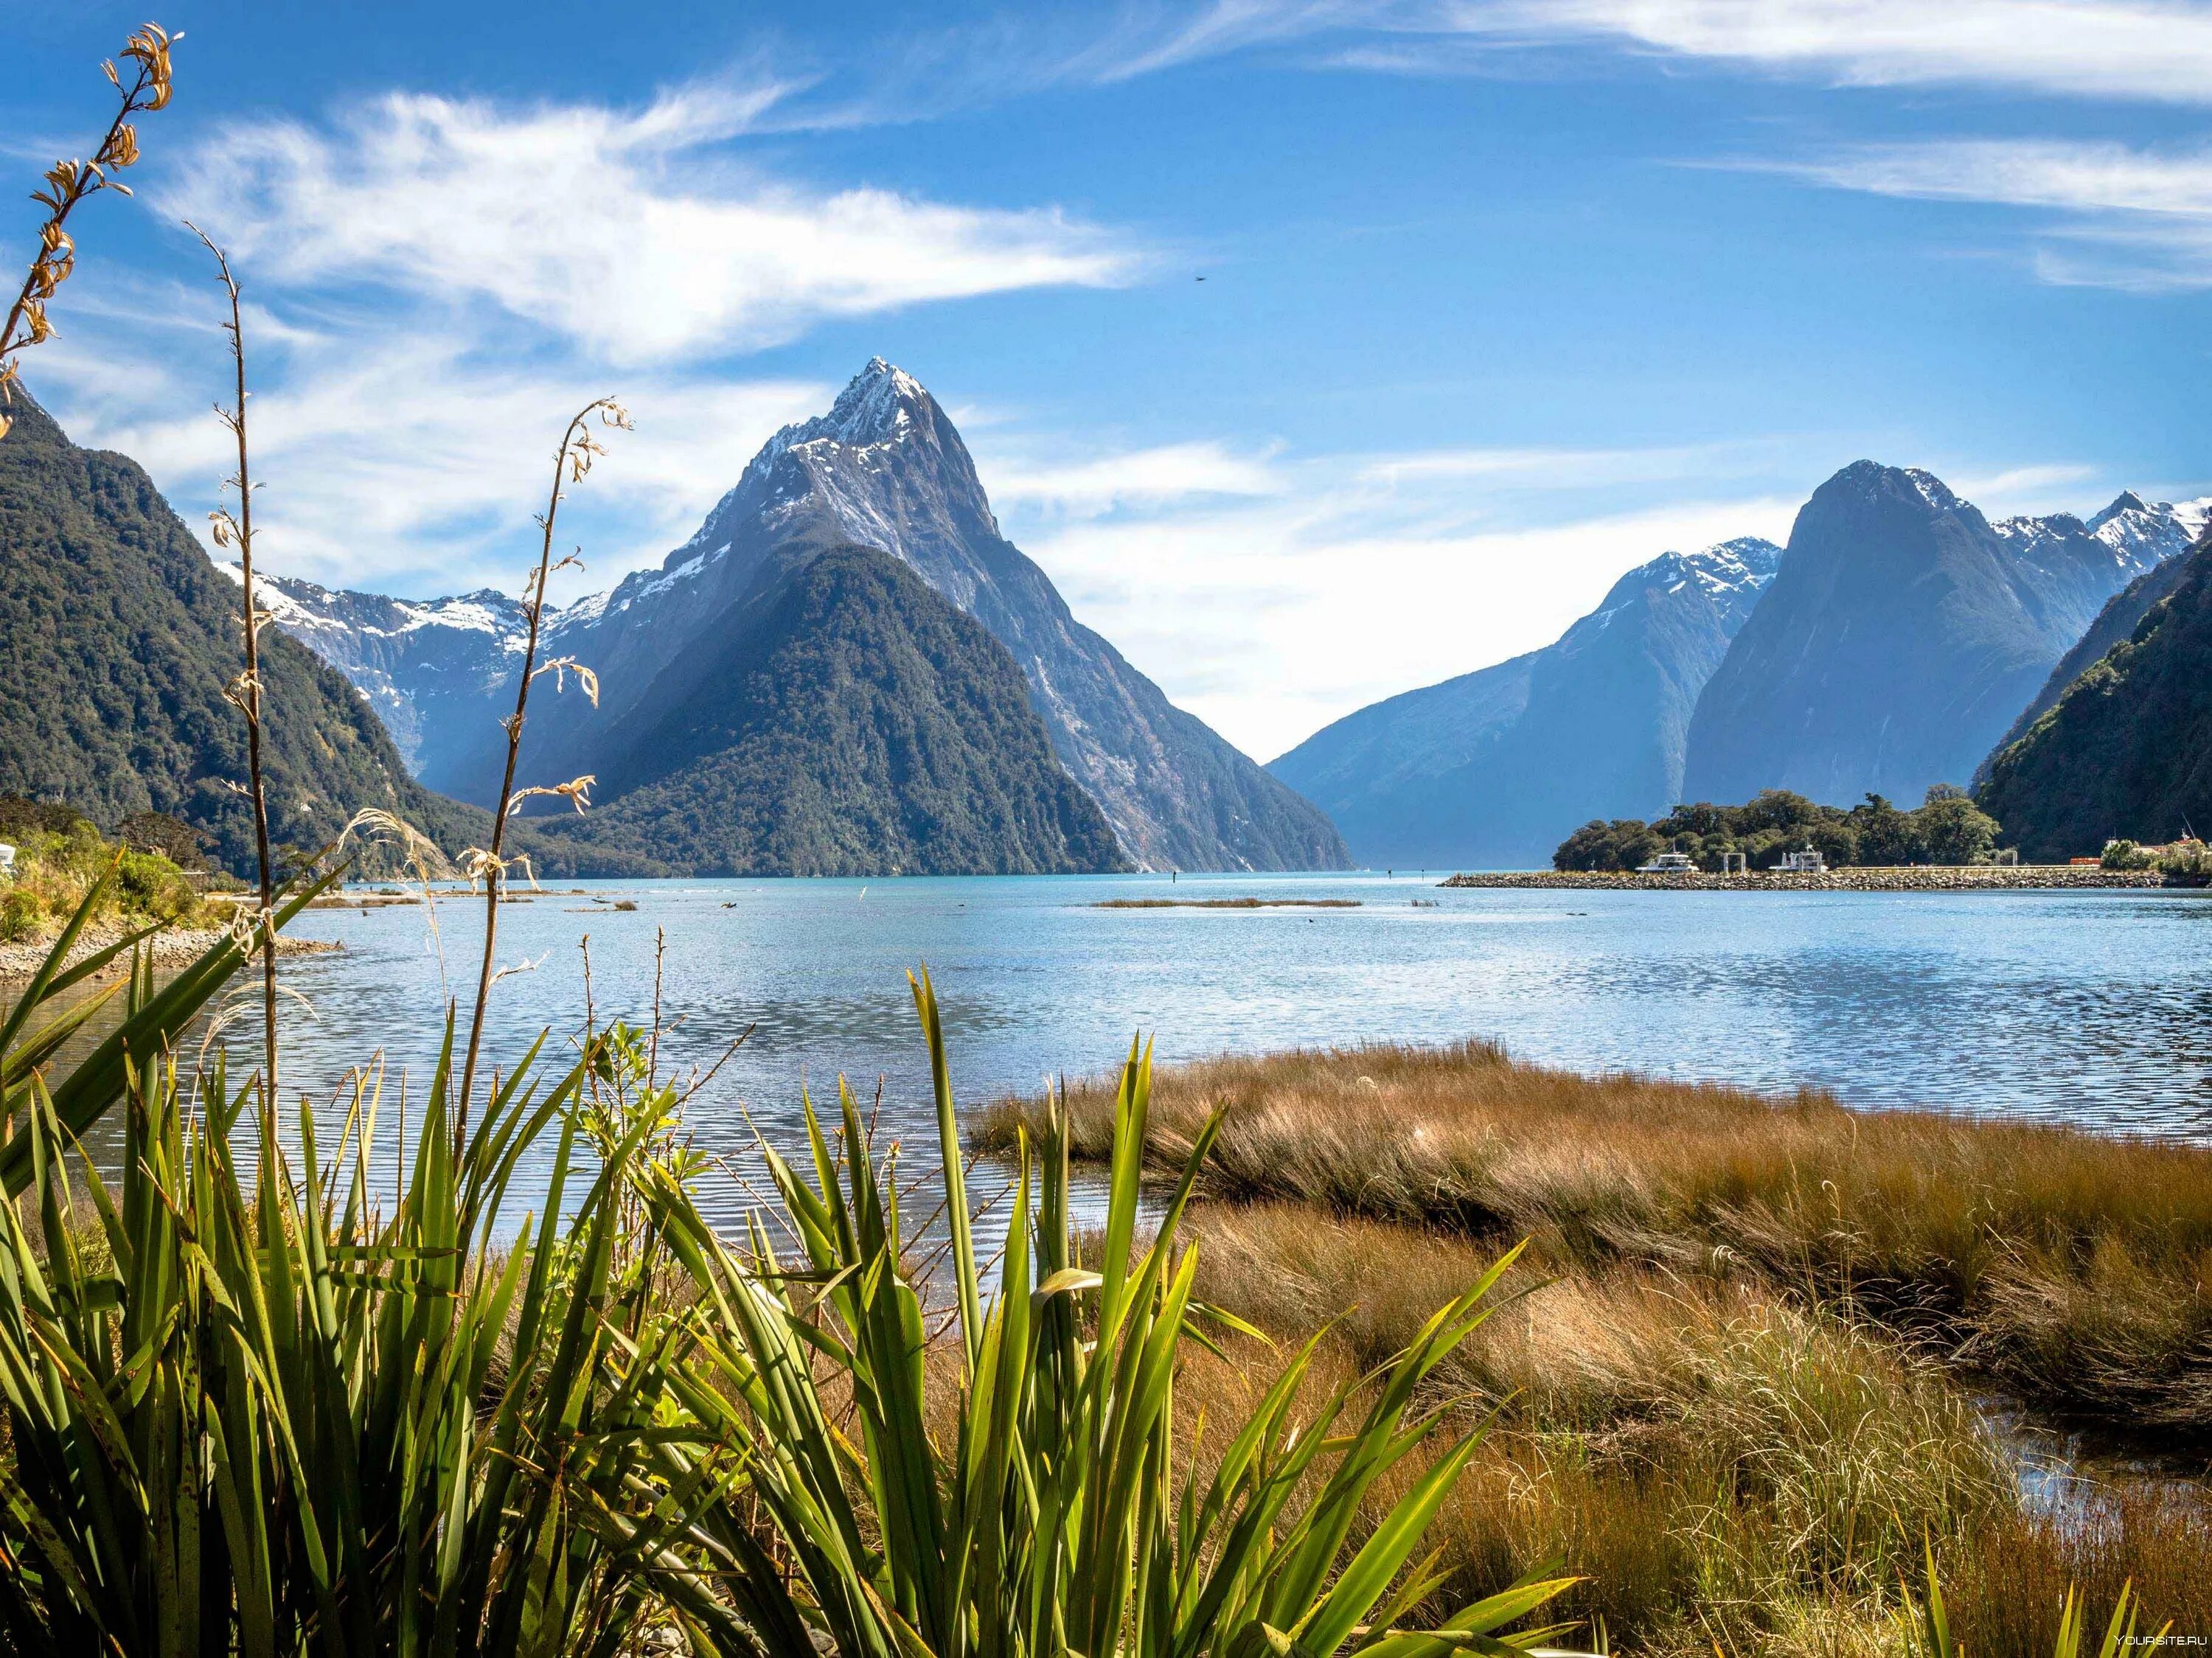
{"x":433,"y":283}
{"x":1352,"y":577}
{"x":2159,"y":50}
{"x":626,"y":233}
{"x":1096,"y":484}
{"x":1272,"y":594}
{"x":2116,"y":215}
{"x":415,"y":468}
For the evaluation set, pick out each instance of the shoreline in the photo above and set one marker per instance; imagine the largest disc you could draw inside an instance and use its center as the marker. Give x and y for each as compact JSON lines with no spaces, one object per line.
{"x":1972,"y":877}
{"x":175,"y":948}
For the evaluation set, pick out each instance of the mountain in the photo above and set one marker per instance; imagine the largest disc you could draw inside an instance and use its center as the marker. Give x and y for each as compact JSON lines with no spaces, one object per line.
{"x":424,"y":668}
{"x":121,"y":639}
{"x":2126,"y":750}
{"x":861,"y":725}
{"x":2161,"y":529}
{"x":1900,"y":636}
{"x":884,"y":469}
{"x":1496,"y":768}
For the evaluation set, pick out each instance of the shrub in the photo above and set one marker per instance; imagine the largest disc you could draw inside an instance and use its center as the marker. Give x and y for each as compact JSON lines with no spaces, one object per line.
{"x":21,"y":914}
{"x":174,"y":839}
{"x":2186,"y":860}
{"x":2126,"y":854}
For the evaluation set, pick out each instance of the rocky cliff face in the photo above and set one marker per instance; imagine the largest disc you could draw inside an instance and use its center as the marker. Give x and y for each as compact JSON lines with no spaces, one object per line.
{"x":1494,"y":768}
{"x":1901,"y":636}
{"x":426,"y":668}
{"x":884,"y":469}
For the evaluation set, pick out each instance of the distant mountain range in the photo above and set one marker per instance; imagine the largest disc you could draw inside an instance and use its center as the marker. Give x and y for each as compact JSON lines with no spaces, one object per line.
{"x":1902,"y":634}
{"x":121,"y":637}
{"x":2163,"y":530}
{"x":884,"y":469}
{"x":1495,"y":767}
{"x":849,"y":670}
{"x":1889,"y":647}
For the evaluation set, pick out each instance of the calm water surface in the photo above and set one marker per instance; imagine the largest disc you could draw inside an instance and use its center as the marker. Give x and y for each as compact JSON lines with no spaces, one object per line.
{"x":2080,"y":1007}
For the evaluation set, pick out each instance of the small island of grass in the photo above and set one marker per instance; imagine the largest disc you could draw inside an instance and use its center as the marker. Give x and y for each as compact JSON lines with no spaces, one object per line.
{"x":1228,"y":903}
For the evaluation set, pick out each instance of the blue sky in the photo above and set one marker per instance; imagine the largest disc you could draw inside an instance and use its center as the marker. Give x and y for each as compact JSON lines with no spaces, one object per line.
{"x":1502,"y":296}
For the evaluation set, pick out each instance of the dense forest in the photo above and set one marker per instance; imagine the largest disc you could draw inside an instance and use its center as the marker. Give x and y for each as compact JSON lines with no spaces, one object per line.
{"x":1946,"y":828}
{"x":121,"y":638}
{"x":2126,"y":751}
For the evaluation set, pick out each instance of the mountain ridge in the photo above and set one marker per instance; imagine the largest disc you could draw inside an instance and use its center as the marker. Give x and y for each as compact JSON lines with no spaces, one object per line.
{"x":2126,"y":749}
{"x":884,"y":467}
{"x":1902,"y":634}
{"x":123,"y":636}
{"x":1497,"y":766}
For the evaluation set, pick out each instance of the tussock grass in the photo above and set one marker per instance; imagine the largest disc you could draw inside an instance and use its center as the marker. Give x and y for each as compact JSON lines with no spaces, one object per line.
{"x":2072,"y":1268}
{"x":1694,"y":1449}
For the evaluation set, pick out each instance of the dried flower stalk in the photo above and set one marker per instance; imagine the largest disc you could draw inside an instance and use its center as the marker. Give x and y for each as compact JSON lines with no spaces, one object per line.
{"x":244,"y":693}
{"x":69,"y":183}
{"x":572,"y":462}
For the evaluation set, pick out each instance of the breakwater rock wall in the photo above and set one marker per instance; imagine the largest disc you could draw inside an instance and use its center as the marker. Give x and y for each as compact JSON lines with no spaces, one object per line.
{"x":1977,"y":877}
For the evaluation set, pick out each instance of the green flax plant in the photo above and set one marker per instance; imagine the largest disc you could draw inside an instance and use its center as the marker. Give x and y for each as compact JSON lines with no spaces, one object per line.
{"x":263,"y":1416}
{"x":1057,"y":1513}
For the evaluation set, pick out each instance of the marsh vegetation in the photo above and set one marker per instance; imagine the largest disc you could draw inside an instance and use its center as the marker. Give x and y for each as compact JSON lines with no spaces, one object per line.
{"x":1738,"y":1388}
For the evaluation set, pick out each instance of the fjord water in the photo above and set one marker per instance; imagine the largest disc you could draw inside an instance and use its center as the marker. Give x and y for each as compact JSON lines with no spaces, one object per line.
{"x":2076,"y":1007}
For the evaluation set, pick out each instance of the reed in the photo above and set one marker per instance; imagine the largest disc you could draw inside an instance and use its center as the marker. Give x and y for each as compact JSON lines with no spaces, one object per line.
{"x":2072,"y":1267}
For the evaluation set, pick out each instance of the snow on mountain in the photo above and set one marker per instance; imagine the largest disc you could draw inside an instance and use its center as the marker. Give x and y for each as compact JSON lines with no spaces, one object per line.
{"x":1496,"y":768}
{"x":884,"y":468}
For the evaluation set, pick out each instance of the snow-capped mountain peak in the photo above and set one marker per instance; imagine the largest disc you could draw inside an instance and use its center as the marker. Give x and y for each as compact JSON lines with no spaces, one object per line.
{"x":882,"y":404}
{"x":2141,"y":533}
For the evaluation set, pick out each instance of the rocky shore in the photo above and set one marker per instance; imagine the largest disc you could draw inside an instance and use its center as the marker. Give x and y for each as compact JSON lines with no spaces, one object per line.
{"x":1977,"y":878}
{"x":173,"y":948}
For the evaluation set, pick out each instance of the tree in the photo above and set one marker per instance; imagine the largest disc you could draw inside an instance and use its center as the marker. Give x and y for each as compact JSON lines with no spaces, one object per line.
{"x":174,"y":838}
{"x":1953,"y":829}
{"x":1597,"y":845}
{"x":1886,"y":836}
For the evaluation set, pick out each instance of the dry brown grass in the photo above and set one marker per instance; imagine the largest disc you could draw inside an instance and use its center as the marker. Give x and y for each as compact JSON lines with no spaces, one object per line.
{"x":1710,"y":1456}
{"x":2073,"y":1268}
{"x":1721,"y":1460}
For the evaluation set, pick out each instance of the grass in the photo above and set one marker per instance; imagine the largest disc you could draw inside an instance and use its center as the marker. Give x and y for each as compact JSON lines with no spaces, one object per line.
{"x":1715,"y":1460}
{"x":1228,"y":903}
{"x":289,"y":1421}
{"x":2071,"y":1268}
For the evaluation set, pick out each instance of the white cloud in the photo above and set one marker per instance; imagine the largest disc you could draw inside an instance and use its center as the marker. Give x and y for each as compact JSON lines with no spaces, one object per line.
{"x":416,"y":468}
{"x":2125,"y":218}
{"x":621,"y":232}
{"x":2158,"y":51}
{"x":1271,"y":597}
{"x":2087,"y":178}
{"x":1097,"y":484}
{"x":1269,"y":620}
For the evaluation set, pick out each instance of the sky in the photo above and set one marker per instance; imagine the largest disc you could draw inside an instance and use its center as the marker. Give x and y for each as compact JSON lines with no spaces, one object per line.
{"x":1500,"y":298}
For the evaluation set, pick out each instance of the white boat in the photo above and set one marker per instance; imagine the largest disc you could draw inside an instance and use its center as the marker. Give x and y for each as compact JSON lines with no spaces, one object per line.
{"x":1669,"y":863}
